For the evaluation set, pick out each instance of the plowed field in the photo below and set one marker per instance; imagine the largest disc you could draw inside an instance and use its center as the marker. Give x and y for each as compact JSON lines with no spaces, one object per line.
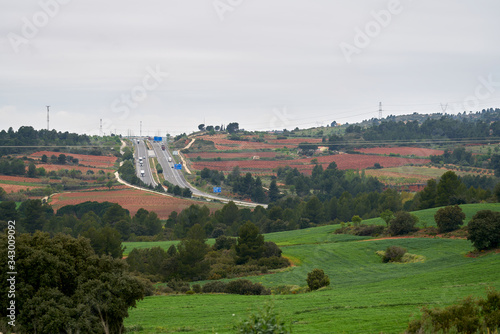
{"x":228,"y":155}
{"x":343,"y":161}
{"x":416,"y":151}
{"x":130,"y":199}
{"x":9,"y":188}
{"x":83,"y":169}
{"x":87,"y":160}
{"x":222,"y":143}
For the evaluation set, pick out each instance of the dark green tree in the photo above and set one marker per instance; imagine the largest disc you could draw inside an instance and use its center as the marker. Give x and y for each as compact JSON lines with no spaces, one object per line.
{"x":8,"y":211}
{"x":484,"y":230}
{"x":427,"y":197}
{"x":314,"y":210}
{"x":62,"y":286}
{"x":34,"y":215}
{"x":250,"y":243}
{"x":274,"y":193}
{"x":61,"y":159}
{"x":449,"y":189}
{"x":449,"y":218}
{"x":105,"y":241}
{"x":114,"y":214}
{"x":403,"y":223}
{"x":31,"y":170}
{"x":317,"y":279}
{"x":232,"y":127}
{"x":192,"y":251}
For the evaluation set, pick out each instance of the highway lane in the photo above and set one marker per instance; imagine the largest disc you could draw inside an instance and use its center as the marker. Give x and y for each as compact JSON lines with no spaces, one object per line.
{"x":142,"y":151}
{"x":176,"y":177}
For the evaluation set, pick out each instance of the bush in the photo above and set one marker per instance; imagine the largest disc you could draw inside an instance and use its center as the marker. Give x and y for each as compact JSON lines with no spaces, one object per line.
{"x":178,"y":286}
{"x":317,"y":279}
{"x":468,"y":316}
{"x":403,"y":223}
{"x":246,"y":287}
{"x":214,"y":287}
{"x":449,"y":218}
{"x":223,"y":242}
{"x":196,"y":288}
{"x":265,"y":322}
{"x":394,"y":254}
{"x":369,"y":230}
{"x":271,"y":249}
{"x":273,"y":262}
{"x":484,"y":229}
{"x":163,"y":289}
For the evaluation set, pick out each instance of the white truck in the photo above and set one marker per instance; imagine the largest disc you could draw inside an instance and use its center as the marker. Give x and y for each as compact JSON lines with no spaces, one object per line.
{"x":142,"y":172}
{"x":169,"y":159}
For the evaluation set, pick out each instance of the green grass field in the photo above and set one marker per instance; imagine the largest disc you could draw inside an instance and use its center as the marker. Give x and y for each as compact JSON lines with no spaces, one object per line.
{"x":365,"y":295}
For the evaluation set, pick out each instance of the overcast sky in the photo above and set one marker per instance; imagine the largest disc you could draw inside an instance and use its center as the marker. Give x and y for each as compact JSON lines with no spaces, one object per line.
{"x":267,"y":64}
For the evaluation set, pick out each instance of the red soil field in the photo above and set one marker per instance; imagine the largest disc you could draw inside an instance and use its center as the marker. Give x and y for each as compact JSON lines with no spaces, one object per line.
{"x":228,"y":155}
{"x":50,"y":167}
{"x":9,"y":188}
{"x":222,"y":143}
{"x":416,"y":151}
{"x":87,"y":160}
{"x":131,"y":199}
{"x":24,"y":179}
{"x":343,"y":161}
{"x":295,"y":141}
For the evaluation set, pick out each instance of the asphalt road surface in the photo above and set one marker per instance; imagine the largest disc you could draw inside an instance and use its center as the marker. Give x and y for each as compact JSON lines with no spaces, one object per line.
{"x":141,"y":150}
{"x":176,"y":177}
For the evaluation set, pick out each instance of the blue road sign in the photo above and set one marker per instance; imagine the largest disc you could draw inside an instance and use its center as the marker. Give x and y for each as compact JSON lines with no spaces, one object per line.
{"x":177,"y":166}
{"x":217,"y":189}
{"x":157,"y":138}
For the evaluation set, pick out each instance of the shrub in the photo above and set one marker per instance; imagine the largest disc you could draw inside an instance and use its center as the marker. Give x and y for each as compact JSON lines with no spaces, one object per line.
{"x":223,"y":242}
{"x":196,"y":288}
{"x":214,"y":287}
{"x":265,"y":322}
{"x":449,"y":218}
{"x":163,"y":289}
{"x":393,"y":254}
{"x":246,"y":287}
{"x":178,"y":286}
{"x":271,"y":249}
{"x":273,"y":262}
{"x":467,"y":316}
{"x":484,"y":229}
{"x":317,"y":279}
{"x":403,"y":223}
{"x":369,"y":230}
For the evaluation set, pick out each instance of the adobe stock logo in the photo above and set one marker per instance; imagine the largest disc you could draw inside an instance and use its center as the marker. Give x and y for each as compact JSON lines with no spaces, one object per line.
{"x":222,"y":7}
{"x":31,"y":27}
{"x":138,"y":93}
{"x":372,"y":29}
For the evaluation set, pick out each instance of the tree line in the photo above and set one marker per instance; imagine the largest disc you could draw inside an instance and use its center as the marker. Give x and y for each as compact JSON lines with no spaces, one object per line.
{"x":28,"y":136}
{"x":63,"y":286}
{"x":193,"y":260}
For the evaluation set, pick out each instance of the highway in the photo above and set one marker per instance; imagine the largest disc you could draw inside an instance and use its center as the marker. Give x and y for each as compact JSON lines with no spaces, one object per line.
{"x":176,"y":177}
{"x":141,"y":150}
